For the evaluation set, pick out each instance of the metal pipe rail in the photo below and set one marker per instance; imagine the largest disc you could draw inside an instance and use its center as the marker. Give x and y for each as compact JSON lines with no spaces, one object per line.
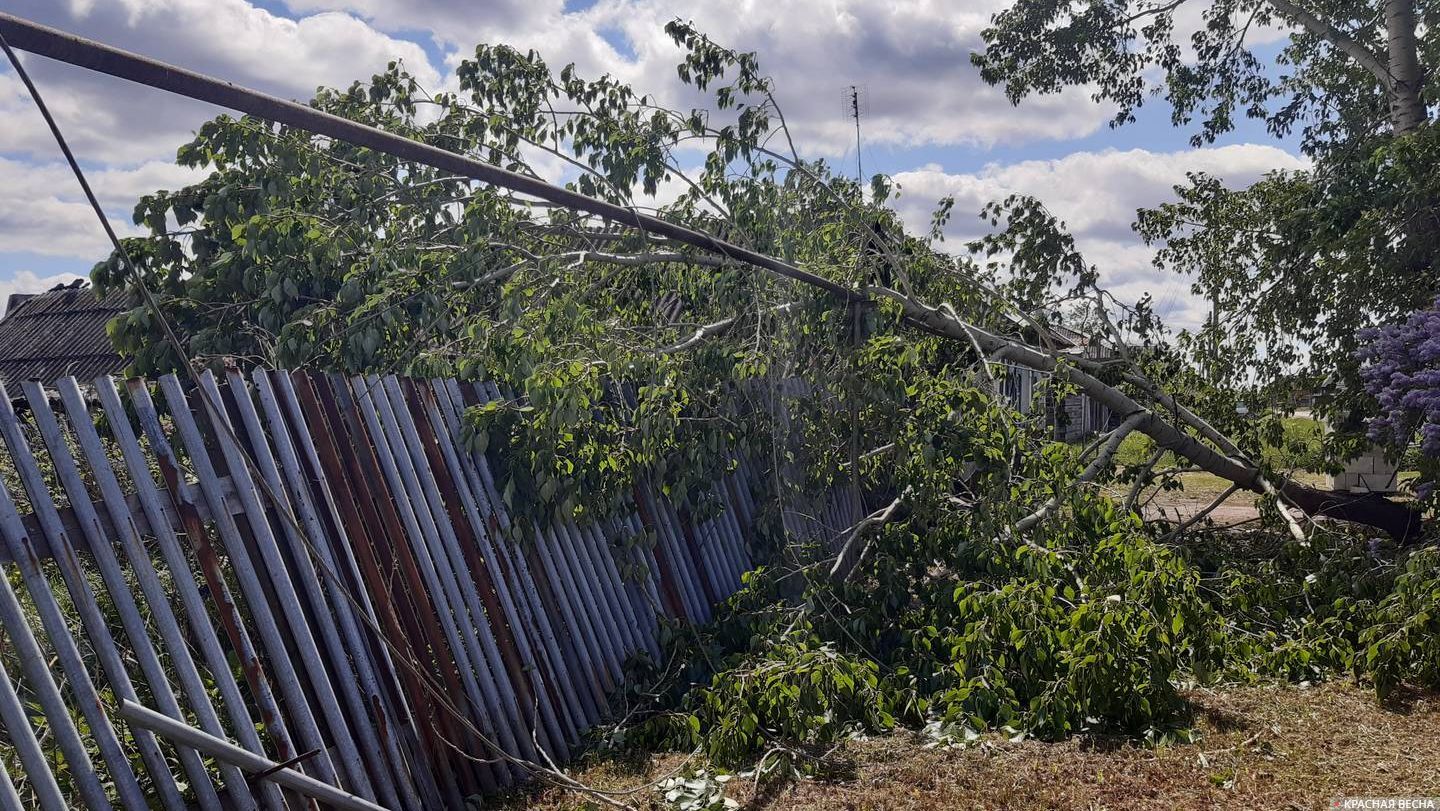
{"x":86,"y":53}
{"x":227,"y":752}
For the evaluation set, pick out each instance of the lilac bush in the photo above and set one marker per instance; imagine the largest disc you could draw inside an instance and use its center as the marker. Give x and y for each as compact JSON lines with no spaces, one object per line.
{"x":1402,"y":371}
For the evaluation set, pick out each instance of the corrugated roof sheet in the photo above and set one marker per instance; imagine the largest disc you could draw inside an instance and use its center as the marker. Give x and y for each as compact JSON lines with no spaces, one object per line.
{"x":59,"y":333}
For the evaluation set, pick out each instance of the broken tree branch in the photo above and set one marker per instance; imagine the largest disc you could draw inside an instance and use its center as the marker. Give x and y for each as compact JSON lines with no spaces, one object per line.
{"x":1401,"y":521}
{"x":1095,"y":468}
{"x":851,"y":552}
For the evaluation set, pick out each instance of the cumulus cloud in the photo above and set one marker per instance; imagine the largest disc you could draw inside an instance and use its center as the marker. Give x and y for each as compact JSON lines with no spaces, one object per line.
{"x":125,"y":134}
{"x":42,"y":210}
{"x":109,"y":120}
{"x":27,"y":282}
{"x":1096,"y":194}
{"x":911,"y":57}
{"x":448,"y":22}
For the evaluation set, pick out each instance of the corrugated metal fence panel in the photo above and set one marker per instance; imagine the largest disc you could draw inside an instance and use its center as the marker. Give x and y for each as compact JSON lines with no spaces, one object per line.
{"x":322,"y":572}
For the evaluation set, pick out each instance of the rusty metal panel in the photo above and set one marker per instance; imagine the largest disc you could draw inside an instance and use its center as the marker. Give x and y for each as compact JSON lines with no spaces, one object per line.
{"x":301,"y":537}
{"x":527,"y":594}
{"x":368,"y":521}
{"x":413,"y":645}
{"x":449,"y":566}
{"x":418,"y":543}
{"x":254,"y":591}
{"x":522,"y":660}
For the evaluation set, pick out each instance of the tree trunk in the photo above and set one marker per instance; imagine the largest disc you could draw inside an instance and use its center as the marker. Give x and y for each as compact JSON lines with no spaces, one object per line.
{"x":1400,"y":521}
{"x":1399,"y":72}
{"x":1407,"y":107}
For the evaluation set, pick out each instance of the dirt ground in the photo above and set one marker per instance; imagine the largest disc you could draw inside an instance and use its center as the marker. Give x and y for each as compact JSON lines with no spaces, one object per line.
{"x":1279,"y":747}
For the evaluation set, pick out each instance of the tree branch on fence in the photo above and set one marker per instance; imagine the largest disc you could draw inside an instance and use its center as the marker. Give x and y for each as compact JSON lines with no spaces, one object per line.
{"x":852,"y":551}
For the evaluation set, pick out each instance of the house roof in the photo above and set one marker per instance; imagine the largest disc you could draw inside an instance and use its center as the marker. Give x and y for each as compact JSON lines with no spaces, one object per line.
{"x":58,"y":333}
{"x":1070,"y":336}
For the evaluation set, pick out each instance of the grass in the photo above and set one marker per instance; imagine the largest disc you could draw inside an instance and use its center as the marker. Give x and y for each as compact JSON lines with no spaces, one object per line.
{"x":1299,"y":449}
{"x":1259,"y":747}
{"x":1298,"y":453}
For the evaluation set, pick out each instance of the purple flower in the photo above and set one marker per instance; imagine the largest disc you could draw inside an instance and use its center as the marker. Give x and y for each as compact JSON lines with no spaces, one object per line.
{"x":1401,"y":370}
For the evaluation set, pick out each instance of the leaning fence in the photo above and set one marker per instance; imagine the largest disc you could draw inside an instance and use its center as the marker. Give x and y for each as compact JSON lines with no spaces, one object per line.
{"x":315,"y":594}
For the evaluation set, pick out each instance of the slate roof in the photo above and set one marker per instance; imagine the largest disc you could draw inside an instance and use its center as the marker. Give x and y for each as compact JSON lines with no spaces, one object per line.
{"x":59,"y":333}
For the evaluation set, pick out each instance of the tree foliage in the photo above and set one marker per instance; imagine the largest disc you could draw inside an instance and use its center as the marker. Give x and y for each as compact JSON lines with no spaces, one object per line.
{"x":1003,"y":587}
{"x":298,"y":250}
{"x":1093,"y":629}
{"x":1301,"y":261}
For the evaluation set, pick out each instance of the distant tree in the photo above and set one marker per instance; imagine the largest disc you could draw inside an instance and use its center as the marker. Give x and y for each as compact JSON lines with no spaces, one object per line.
{"x":1300,"y":261}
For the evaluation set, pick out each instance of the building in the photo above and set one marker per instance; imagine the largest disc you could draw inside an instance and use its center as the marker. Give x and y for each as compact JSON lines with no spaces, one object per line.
{"x":57,"y":333}
{"x":1077,"y":415}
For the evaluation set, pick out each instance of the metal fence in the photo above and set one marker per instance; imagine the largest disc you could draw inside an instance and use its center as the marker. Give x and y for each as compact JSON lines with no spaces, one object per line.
{"x":174,"y":638}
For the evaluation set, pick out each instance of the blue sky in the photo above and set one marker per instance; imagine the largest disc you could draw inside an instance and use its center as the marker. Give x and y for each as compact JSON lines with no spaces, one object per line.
{"x":928,"y":121}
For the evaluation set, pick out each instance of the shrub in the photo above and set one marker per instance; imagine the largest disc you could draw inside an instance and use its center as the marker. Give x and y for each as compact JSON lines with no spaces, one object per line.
{"x":1402,"y":372}
{"x":1095,"y":630}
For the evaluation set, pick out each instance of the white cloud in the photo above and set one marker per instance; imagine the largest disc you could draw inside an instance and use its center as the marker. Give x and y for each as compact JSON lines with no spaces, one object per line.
{"x":131,"y":132}
{"x":111,"y":120}
{"x":449,"y":21}
{"x":27,"y":282}
{"x":42,"y":210}
{"x":912,"y":57}
{"x":1096,"y":194}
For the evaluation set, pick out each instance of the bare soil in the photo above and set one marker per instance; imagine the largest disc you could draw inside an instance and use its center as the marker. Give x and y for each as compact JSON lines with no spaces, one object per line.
{"x":1200,"y":489}
{"x":1282,"y":747}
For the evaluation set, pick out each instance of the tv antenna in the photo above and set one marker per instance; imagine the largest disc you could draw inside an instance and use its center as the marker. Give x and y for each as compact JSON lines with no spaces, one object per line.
{"x":857,"y":103}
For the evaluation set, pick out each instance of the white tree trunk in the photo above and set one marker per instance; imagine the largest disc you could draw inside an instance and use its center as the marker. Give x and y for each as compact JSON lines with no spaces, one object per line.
{"x":1399,"y":70}
{"x":1407,"y":108}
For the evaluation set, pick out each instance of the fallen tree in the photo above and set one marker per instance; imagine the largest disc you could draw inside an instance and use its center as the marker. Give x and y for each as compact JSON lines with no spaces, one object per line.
{"x":1222,"y":458}
{"x":344,"y":240}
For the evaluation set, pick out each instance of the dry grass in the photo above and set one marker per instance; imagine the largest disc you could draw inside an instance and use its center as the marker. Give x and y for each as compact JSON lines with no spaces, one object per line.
{"x":1260,"y":747}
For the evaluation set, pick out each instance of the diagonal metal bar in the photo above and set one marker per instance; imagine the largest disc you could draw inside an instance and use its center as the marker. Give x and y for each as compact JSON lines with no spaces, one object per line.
{"x":86,"y":53}
{"x":222,"y":749}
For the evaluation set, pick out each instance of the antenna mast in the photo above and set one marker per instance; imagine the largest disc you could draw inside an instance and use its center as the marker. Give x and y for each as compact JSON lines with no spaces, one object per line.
{"x":855,"y":113}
